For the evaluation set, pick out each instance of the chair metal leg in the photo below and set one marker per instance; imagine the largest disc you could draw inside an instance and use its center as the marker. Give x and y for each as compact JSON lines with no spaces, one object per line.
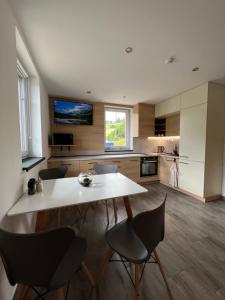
{"x":137,"y":282}
{"x":87,"y":274}
{"x":107,"y":211}
{"x":163,"y":274}
{"x":105,"y":266}
{"x":67,"y":290}
{"x":115,"y":210}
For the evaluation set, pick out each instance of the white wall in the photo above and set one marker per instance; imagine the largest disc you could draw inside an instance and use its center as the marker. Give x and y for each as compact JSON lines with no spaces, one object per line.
{"x":12,"y":178}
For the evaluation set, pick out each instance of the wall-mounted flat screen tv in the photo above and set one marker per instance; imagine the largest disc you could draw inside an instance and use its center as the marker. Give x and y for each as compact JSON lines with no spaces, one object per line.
{"x":73,"y":113}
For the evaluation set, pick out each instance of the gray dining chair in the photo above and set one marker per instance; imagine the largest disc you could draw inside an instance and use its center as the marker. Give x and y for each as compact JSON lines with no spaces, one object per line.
{"x":44,"y":261}
{"x":106,"y":169}
{"x":135,"y":241}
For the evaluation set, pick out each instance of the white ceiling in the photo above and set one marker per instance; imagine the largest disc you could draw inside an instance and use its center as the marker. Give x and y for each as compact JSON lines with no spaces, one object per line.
{"x":78,"y":45}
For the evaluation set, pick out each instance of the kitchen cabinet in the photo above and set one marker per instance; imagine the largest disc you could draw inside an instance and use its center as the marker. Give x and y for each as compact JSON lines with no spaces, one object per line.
{"x":191,"y":177}
{"x":173,"y":125}
{"x":73,"y":166}
{"x":143,"y":120}
{"x":202,"y":140}
{"x":129,"y":167}
{"x":195,"y":96}
{"x":193,"y":122}
{"x":89,"y":165}
{"x":167,"y":107}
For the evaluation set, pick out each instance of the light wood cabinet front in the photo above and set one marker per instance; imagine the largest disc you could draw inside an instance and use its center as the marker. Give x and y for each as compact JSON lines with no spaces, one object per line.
{"x":173,"y":125}
{"x":89,"y":165}
{"x":129,"y":167}
{"x":194,"y":96}
{"x":143,"y":120}
{"x":73,"y":166}
{"x":193,"y":122}
{"x":191,"y":177}
{"x":169,"y":106}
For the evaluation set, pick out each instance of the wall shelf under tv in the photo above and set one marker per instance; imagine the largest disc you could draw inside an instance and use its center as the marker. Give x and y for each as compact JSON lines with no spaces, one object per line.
{"x":61,"y":146}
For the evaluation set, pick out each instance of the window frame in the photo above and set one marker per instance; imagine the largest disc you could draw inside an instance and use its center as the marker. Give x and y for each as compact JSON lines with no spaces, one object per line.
{"x":25,"y":135}
{"x":128,"y":128}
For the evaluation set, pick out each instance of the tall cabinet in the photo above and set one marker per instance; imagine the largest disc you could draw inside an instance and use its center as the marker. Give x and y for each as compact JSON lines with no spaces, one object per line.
{"x":202,"y":123}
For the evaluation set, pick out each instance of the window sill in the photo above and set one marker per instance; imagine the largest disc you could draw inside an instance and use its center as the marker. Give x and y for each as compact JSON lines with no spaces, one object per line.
{"x":30,"y":162}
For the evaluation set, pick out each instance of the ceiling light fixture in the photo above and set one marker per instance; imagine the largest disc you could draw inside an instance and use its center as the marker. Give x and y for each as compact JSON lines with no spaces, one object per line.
{"x":124,"y":97}
{"x":170,"y":60}
{"x":195,"y":69}
{"x":128,"y":50}
{"x":88,"y":92}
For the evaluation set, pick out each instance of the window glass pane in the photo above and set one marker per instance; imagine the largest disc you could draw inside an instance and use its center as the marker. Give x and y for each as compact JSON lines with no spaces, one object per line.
{"x":116,"y":128}
{"x":23,"y":112}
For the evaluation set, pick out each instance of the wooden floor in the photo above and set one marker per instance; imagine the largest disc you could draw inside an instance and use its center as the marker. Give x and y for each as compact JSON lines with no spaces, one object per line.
{"x":193,"y":252}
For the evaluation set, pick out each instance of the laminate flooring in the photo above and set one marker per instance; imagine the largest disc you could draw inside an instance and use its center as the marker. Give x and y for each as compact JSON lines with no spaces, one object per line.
{"x":192,"y":253}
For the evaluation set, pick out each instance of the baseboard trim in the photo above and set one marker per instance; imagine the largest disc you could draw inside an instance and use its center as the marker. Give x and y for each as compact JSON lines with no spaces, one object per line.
{"x":203,"y":199}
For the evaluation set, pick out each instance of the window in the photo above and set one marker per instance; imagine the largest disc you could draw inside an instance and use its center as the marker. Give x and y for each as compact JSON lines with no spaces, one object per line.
{"x":23,"y":109}
{"x":117,"y":129}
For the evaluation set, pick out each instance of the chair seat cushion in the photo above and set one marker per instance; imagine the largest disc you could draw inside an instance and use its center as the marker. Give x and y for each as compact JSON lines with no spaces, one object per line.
{"x":123,"y":240}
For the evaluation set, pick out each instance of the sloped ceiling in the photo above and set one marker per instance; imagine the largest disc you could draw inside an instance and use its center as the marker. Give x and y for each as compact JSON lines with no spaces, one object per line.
{"x":79,"y":45}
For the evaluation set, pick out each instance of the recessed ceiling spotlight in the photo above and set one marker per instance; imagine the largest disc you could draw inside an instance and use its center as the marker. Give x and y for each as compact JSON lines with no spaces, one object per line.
{"x":195,"y":69}
{"x":170,"y":60}
{"x":129,"y":50}
{"x":88,"y":92}
{"x":124,"y":97}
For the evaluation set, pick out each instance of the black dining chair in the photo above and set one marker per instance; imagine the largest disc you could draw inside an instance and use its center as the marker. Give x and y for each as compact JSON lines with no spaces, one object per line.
{"x":106,"y":169}
{"x":135,"y":241}
{"x":44,"y":261}
{"x":53,"y":173}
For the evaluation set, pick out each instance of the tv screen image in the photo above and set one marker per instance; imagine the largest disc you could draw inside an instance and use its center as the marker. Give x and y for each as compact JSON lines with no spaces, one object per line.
{"x":73,"y":113}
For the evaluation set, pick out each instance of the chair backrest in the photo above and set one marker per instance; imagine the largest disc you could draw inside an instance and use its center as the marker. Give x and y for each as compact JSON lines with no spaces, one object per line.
{"x":150,"y":226}
{"x":31,"y":258}
{"x":105,"y":169}
{"x":53,"y":173}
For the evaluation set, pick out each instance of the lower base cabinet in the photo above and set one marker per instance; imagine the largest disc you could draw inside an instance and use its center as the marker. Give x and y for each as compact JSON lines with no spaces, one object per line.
{"x":129,"y":167}
{"x":191,"y":177}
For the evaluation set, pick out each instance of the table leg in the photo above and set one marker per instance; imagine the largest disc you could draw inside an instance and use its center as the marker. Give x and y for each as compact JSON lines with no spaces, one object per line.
{"x":24,"y":293}
{"x":128,"y":207}
{"x":41,"y":221}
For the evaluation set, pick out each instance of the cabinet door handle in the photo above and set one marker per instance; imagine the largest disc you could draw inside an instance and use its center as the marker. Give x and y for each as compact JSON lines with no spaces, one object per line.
{"x":184,"y":156}
{"x":184,"y":163}
{"x":133,"y":159}
{"x":66,"y":164}
{"x":116,"y":161}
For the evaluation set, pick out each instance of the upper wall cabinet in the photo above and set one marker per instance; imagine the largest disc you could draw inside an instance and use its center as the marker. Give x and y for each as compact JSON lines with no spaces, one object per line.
{"x":195,"y":96}
{"x":173,"y":125}
{"x":168,"y":107}
{"x":143,"y":120}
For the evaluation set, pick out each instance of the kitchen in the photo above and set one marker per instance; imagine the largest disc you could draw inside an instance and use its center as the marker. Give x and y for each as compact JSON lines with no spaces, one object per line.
{"x":161,"y":136}
{"x":112,"y":126}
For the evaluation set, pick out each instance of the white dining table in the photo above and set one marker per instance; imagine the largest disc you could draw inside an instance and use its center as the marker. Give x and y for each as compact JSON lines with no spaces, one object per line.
{"x":68,"y":191}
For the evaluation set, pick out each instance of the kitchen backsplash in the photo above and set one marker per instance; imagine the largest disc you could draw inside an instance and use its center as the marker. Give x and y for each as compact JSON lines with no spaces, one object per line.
{"x":140,"y":145}
{"x":149,"y":145}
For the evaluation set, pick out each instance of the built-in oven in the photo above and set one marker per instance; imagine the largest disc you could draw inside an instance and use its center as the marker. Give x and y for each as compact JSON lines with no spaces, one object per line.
{"x":149,"y":166}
